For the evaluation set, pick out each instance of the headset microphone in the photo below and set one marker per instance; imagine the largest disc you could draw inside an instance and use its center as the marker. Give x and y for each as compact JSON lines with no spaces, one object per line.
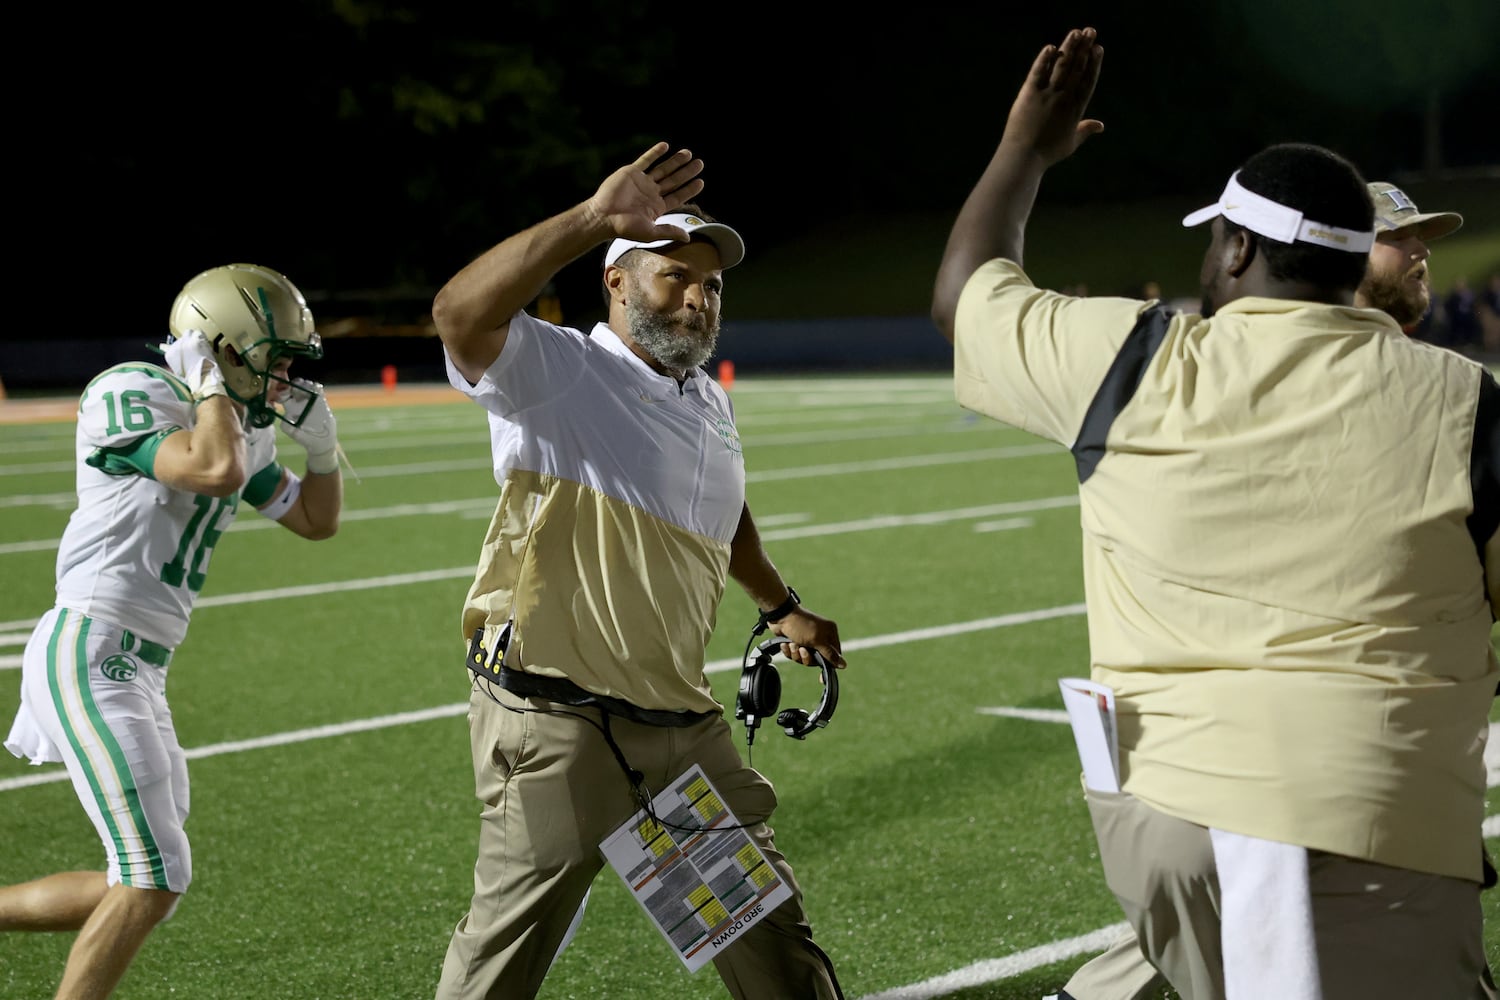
{"x":760,"y":694}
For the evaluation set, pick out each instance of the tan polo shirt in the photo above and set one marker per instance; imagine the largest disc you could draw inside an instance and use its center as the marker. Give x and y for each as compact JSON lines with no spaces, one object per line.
{"x":1282,"y":585}
{"x":620,"y":495}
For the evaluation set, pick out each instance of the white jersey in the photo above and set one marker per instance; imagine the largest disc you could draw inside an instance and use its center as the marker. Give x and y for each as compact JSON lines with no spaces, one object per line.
{"x":135,"y":551}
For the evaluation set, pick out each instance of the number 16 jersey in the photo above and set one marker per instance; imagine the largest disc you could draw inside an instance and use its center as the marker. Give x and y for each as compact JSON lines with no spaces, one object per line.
{"x":136,"y":551}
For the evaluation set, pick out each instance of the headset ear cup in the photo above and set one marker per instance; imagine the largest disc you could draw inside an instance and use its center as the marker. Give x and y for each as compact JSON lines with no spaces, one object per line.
{"x":760,"y":689}
{"x":799,"y":722}
{"x":794,"y":721}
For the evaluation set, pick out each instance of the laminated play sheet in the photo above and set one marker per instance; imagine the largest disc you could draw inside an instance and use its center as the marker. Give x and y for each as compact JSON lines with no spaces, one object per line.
{"x":701,"y":879}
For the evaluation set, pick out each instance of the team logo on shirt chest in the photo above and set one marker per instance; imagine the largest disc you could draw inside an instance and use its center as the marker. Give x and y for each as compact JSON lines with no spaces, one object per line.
{"x":728,"y":434}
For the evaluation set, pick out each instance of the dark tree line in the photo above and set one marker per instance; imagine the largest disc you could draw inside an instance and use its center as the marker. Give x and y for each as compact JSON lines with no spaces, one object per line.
{"x":373,"y":146}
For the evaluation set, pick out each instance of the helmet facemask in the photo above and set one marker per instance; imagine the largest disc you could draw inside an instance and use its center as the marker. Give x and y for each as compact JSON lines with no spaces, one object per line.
{"x":258,"y":383}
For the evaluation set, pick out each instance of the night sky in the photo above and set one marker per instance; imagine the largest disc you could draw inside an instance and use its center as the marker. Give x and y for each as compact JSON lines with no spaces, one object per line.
{"x":373,"y":148}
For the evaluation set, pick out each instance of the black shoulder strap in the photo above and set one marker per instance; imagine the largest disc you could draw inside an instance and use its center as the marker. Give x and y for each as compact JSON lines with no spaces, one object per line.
{"x":1484,"y":465}
{"x":1120,"y":382}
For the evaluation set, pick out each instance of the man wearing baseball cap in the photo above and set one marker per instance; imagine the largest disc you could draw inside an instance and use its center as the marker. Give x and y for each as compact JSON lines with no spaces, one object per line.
{"x":1397,"y":280}
{"x":1291,"y":561}
{"x":621,"y":518}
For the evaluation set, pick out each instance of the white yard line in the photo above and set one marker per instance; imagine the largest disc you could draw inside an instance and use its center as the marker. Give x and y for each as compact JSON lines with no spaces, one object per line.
{"x":763,"y":476}
{"x":795,"y":410}
{"x":870,"y":433}
{"x":419,"y":429}
{"x":482,"y":504}
{"x":994,"y":969}
{"x":36,"y":545}
{"x":1030,"y":714}
{"x":49,"y":773}
{"x":306,"y":590}
{"x":487,"y":503}
{"x":35,"y":468}
{"x":884,"y":521}
{"x":39,"y":500}
{"x":1005,"y":524}
{"x":54,"y":446}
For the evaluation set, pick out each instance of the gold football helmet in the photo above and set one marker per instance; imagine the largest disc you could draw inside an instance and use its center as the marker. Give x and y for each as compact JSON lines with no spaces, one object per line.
{"x":253,"y":317}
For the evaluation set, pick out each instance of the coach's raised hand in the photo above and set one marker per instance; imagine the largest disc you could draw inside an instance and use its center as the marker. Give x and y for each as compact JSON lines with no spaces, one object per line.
{"x":1045,"y":125}
{"x":1047,"y":116}
{"x":632,"y":198}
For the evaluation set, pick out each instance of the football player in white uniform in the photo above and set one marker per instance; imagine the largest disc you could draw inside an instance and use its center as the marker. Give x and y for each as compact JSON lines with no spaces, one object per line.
{"x":165,"y":455}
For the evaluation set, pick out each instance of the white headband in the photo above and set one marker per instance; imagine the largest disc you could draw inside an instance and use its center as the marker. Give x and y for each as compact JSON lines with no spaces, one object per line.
{"x":1260,"y":214}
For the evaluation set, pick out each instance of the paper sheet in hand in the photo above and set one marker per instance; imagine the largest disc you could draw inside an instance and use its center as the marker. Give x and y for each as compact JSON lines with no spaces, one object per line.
{"x":702,"y":886}
{"x":1091,"y":710}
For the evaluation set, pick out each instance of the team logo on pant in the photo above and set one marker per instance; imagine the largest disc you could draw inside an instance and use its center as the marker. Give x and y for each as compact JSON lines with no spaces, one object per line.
{"x":118,"y":668}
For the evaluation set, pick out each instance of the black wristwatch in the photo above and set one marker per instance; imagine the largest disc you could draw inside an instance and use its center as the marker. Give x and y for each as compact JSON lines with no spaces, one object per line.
{"x":781,"y":610}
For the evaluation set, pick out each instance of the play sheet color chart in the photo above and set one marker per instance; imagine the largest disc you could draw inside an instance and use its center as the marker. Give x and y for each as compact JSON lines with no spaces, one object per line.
{"x":700,"y":880}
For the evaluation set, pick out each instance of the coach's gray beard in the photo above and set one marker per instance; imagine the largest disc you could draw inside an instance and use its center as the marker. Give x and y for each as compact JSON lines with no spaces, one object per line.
{"x":662,"y":339}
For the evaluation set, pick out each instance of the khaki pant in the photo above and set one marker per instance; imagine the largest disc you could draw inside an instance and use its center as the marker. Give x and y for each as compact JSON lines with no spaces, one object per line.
{"x":552,"y":790}
{"x":1382,"y":933}
{"x":1119,"y":973}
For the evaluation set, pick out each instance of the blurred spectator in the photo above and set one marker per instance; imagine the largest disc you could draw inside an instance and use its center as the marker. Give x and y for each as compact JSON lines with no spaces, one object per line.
{"x":1489,"y":314}
{"x":1463,"y":322}
{"x":1433,"y":326}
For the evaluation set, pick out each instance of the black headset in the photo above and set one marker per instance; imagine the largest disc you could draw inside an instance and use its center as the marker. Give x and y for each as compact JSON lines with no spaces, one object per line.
{"x":760,"y":694}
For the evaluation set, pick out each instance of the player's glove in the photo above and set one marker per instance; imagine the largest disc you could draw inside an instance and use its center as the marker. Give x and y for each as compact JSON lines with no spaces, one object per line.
{"x":192,"y":359}
{"x":318,"y":430}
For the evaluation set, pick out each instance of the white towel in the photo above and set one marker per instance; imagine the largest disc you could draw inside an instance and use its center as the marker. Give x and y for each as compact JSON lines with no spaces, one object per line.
{"x":1266,"y":930}
{"x":26,"y":739}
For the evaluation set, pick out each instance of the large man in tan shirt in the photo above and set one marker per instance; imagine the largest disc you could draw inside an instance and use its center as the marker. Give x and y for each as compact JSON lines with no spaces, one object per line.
{"x":1397,"y":282}
{"x":1288,"y":509}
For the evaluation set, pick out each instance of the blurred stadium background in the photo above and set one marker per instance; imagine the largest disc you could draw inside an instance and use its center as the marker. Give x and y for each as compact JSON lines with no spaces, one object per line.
{"x":369,"y":150}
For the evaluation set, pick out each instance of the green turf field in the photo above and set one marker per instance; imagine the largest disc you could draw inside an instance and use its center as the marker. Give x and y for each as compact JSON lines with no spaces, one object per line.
{"x":945,"y":848}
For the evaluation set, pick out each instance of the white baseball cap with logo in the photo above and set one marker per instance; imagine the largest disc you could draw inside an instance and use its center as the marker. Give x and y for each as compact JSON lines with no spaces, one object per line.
{"x":731,"y":248}
{"x":1276,"y":221}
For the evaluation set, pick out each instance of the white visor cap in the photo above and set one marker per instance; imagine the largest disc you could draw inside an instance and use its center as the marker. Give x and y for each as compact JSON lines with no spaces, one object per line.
{"x":1260,"y":214}
{"x":731,"y":248}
